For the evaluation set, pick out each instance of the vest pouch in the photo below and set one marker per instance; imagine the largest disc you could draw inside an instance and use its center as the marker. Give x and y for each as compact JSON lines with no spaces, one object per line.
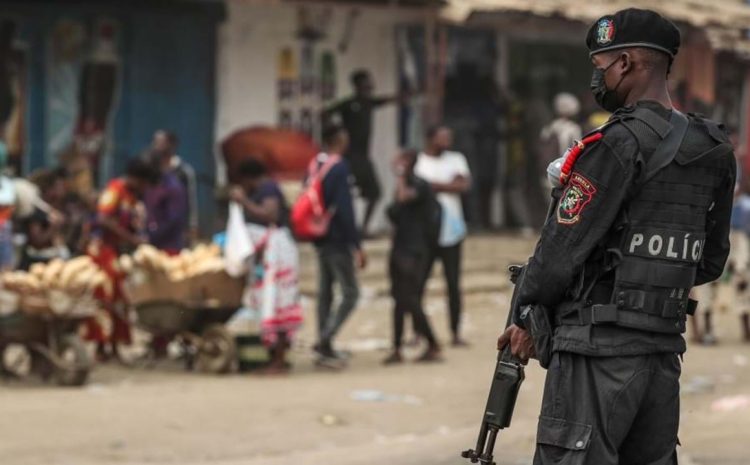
{"x":652,"y":295}
{"x":653,"y":274}
{"x":537,"y":320}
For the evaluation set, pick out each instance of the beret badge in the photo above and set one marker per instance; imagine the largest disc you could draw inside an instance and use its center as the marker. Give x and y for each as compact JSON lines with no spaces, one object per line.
{"x":605,"y":31}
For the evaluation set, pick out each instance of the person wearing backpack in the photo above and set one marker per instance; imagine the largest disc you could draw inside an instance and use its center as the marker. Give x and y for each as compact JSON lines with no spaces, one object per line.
{"x":415,"y":214}
{"x":339,"y":248}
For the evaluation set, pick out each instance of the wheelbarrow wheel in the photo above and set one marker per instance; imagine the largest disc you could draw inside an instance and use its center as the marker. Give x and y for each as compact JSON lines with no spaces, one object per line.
{"x":217,"y":350}
{"x":17,"y":360}
{"x":74,"y":362}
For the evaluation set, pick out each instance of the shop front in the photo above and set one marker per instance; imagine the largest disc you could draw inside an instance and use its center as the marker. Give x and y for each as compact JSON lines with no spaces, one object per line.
{"x":86,"y":83}
{"x":281,"y":64}
{"x":541,"y":52}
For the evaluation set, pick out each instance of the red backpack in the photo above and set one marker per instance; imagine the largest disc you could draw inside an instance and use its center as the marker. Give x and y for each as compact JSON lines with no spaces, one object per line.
{"x":309,"y":217}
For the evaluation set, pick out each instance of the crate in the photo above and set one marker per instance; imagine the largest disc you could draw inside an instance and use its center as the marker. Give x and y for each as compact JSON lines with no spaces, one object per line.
{"x":207,"y":290}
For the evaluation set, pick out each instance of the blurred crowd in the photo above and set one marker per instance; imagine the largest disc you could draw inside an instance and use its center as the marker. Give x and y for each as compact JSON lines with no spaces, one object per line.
{"x":47,"y":216}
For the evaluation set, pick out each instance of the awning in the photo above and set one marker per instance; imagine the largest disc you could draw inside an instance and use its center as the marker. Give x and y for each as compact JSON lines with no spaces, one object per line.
{"x":725,"y":21}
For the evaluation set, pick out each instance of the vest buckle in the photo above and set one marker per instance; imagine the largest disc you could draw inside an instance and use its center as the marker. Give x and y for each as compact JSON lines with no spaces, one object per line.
{"x":631,"y":300}
{"x":603,"y":314}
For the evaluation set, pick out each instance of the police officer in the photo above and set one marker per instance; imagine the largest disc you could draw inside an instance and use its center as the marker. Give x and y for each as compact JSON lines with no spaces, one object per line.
{"x":642,"y":216}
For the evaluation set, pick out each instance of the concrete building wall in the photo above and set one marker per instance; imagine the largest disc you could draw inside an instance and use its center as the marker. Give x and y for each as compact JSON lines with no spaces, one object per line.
{"x":249,"y":44}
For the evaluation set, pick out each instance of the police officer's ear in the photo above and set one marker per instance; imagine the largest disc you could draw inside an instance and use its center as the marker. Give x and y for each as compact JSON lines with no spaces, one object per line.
{"x":625,"y":62}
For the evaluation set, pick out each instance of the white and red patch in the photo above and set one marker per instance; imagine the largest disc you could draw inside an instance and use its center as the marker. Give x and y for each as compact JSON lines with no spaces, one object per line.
{"x":577,"y":195}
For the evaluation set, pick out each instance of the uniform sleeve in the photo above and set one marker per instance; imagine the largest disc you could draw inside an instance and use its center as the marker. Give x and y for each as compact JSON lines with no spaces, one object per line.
{"x":716,"y":250}
{"x":587,"y":208}
{"x":108,"y":201}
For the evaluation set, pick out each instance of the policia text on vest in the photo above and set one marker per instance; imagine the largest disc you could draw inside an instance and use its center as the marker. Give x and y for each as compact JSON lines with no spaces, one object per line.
{"x":666,"y":244}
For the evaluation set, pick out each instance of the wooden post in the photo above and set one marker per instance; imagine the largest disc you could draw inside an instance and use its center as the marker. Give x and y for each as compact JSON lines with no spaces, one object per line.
{"x":430,"y":86}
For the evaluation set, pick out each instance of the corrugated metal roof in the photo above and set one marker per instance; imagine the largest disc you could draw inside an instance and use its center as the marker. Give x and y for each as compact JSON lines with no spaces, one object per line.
{"x":725,"y":21}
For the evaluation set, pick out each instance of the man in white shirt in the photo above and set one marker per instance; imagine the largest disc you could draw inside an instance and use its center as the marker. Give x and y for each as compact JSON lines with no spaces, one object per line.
{"x":562,"y":132}
{"x":448,"y":174}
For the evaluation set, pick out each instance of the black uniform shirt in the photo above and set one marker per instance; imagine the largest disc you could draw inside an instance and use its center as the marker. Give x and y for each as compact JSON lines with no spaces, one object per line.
{"x":356,"y":117}
{"x":603,"y":175}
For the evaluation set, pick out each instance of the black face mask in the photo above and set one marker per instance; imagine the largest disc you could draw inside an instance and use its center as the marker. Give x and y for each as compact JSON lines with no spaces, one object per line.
{"x":606,"y":98}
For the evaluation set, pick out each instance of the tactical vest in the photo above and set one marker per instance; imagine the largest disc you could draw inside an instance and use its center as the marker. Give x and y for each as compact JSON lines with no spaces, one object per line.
{"x":643,"y":273}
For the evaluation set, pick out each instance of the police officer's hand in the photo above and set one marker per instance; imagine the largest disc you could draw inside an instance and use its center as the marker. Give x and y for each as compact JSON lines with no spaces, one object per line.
{"x":521,"y":343}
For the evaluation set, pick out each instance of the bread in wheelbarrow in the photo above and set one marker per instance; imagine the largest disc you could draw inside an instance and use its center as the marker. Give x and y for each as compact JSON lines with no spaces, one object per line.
{"x":126,"y":264}
{"x":82,"y":281}
{"x":101,"y":281}
{"x":148,"y":256}
{"x":73,"y":268}
{"x":209,"y":265}
{"x":21,"y":282}
{"x":51,"y":272}
{"x":37,"y":269}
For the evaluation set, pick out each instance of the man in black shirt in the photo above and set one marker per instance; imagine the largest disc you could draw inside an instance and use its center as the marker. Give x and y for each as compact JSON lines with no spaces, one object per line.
{"x":415,"y":214}
{"x":355,"y":114}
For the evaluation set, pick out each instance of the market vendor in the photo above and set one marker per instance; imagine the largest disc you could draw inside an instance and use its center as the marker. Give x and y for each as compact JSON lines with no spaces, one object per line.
{"x":166,"y":207}
{"x":44,"y":227}
{"x":119,"y":229}
{"x":273,"y":279}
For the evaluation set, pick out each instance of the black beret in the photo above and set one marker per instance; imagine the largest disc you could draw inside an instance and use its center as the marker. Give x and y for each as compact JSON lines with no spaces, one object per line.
{"x":633,"y":28}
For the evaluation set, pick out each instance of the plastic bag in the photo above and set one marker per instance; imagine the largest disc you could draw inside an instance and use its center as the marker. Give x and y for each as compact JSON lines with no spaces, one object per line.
{"x":239,"y":248}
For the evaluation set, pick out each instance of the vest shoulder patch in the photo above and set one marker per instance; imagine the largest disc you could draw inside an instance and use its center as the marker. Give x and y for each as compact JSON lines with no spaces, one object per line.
{"x":577,"y":195}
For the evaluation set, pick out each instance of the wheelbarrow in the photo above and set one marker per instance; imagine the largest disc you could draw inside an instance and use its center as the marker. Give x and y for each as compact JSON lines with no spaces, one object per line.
{"x":207,"y":345}
{"x":50,"y":346}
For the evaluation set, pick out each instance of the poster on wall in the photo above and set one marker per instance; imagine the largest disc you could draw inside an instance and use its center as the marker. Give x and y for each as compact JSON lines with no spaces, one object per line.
{"x":287,"y":70}
{"x":307,"y":69}
{"x":327,"y":76}
{"x":305,"y":77}
{"x":66,"y":53}
{"x":99,"y":83}
{"x":307,"y":83}
{"x":13,"y":96}
{"x":84,"y":70}
{"x":286,"y":85}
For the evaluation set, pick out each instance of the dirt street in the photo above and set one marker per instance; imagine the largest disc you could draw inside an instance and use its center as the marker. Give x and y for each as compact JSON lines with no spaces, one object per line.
{"x":367,"y":415}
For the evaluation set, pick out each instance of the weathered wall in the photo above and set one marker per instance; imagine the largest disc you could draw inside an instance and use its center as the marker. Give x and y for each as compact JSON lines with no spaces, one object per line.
{"x":249,"y":45}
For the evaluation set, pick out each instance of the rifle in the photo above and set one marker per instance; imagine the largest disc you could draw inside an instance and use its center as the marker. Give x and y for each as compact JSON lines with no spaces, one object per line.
{"x":508,"y":376}
{"x":506,"y":382}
